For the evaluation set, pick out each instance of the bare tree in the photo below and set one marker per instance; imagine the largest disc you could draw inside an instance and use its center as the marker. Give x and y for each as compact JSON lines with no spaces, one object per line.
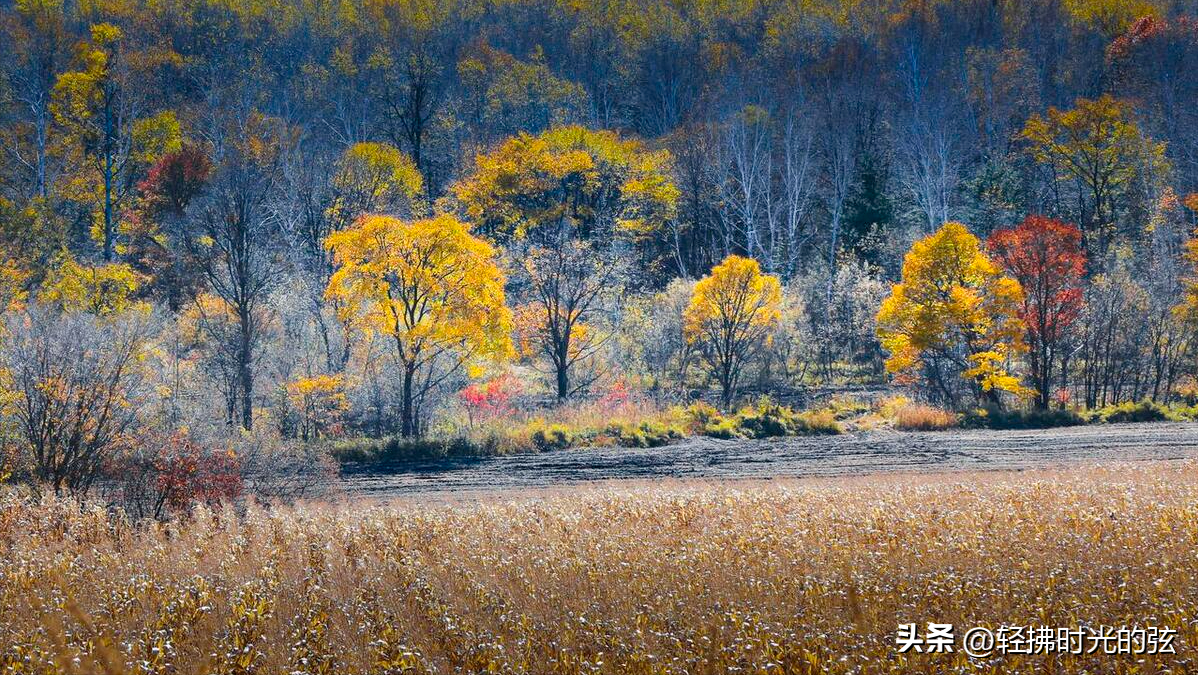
{"x":77,"y":383}
{"x":239,"y":241}
{"x":568,"y":280}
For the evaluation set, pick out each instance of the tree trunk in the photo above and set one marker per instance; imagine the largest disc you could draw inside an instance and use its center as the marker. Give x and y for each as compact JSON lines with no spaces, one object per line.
{"x":562,"y":366}
{"x":726,"y":385}
{"x":245,"y":375}
{"x":408,"y":414}
{"x":108,"y":224}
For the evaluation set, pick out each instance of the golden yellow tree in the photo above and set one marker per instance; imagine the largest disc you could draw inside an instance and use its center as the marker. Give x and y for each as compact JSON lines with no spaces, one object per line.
{"x":429,"y":286}
{"x":372,"y":178}
{"x":96,"y":289}
{"x":1099,"y":145}
{"x":731,"y":314}
{"x":319,"y":402}
{"x":955,"y":309}
{"x":97,"y":107}
{"x":594,"y":181}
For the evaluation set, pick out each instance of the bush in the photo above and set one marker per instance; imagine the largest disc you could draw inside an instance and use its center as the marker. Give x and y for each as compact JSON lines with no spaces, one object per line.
{"x":765,"y":420}
{"x":648,"y":434}
{"x":724,"y":429}
{"x":551,"y":436}
{"x":994,"y":418}
{"x":846,"y":408}
{"x":919,"y":417}
{"x":1144,"y":411}
{"x":397,"y":449}
{"x":820,"y":422}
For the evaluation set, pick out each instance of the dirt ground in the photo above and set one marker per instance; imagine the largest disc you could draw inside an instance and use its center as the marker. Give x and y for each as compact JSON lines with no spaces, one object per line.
{"x":848,"y":454}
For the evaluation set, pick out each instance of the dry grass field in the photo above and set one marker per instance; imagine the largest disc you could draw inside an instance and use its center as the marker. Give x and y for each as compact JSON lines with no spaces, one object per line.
{"x":783,"y":577}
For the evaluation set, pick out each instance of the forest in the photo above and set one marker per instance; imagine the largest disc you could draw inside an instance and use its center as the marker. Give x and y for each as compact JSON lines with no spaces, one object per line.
{"x":235,"y":234}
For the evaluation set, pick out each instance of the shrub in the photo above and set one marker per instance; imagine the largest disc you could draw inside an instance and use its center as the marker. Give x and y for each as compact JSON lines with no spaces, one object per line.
{"x":846,"y":408}
{"x":724,"y":429}
{"x":701,"y":414}
{"x":551,"y":436}
{"x":994,"y":418}
{"x":919,"y":417}
{"x":1144,"y":411}
{"x":397,"y":449}
{"x":764,"y":420}
{"x":648,"y":434}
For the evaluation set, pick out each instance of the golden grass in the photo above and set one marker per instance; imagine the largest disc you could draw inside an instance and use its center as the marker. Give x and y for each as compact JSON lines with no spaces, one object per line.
{"x":786,"y":577}
{"x":918,"y":417}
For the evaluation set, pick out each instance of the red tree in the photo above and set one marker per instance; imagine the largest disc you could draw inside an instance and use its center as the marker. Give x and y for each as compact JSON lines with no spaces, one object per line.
{"x":1047,"y":258}
{"x":175,"y":180}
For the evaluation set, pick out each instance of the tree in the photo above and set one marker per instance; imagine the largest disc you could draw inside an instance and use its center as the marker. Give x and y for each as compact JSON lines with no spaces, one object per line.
{"x":568,"y":281}
{"x":429,"y":286}
{"x":77,"y":384}
{"x":98,"y":107}
{"x":319,"y":402}
{"x":372,"y":178}
{"x":41,"y":46}
{"x":416,"y":41}
{"x":153,"y":227}
{"x":1151,"y":64}
{"x":96,"y":289}
{"x":600,"y":186}
{"x":1046,"y":257}
{"x":1098,"y":144}
{"x":731,"y":314}
{"x":953,"y":308}
{"x":239,"y":238}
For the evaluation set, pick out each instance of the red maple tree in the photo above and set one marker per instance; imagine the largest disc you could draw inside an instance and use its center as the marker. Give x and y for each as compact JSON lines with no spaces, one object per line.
{"x":1046,"y":256}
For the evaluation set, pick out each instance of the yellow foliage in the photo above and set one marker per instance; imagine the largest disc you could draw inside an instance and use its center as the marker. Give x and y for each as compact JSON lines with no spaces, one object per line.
{"x":156,"y":136}
{"x":731,"y":311}
{"x":12,"y":285}
{"x":953,"y":303}
{"x":320,"y":401}
{"x":1112,"y":17}
{"x":1098,"y":144}
{"x":569,"y":173}
{"x":372,"y":177}
{"x":736,"y":294}
{"x":429,"y":285}
{"x":96,"y":289}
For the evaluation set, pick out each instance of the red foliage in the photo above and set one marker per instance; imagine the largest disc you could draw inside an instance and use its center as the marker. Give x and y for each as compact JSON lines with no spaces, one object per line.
{"x":176,"y":179}
{"x":188,"y":474}
{"x":1136,"y":58}
{"x":617,"y":394}
{"x":491,"y":399}
{"x":1046,"y":257}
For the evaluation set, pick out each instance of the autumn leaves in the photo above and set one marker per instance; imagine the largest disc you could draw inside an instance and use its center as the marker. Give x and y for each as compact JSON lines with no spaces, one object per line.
{"x":967,"y":310}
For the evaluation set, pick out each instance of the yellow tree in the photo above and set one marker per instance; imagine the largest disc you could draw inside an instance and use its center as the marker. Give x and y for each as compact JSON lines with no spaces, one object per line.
{"x":594,"y":184}
{"x":97,"y":106}
{"x":1098,"y":144}
{"x":96,"y":289}
{"x":367,"y":178}
{"x":955,"y":309}
{"x":372,"y":178}
{"x":431,"y":288}
{"x":320,"y":404}
{"x":731,"y":315}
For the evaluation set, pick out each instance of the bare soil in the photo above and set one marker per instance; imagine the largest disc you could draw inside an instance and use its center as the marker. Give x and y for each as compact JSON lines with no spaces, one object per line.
{"x":849,"y":454}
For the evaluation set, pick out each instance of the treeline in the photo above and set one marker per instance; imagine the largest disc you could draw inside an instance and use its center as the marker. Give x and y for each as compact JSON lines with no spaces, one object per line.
{"x":353,"y":218}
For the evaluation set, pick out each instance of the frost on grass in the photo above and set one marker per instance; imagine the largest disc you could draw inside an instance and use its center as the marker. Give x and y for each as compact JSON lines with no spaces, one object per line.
{"x":800,"y":577}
